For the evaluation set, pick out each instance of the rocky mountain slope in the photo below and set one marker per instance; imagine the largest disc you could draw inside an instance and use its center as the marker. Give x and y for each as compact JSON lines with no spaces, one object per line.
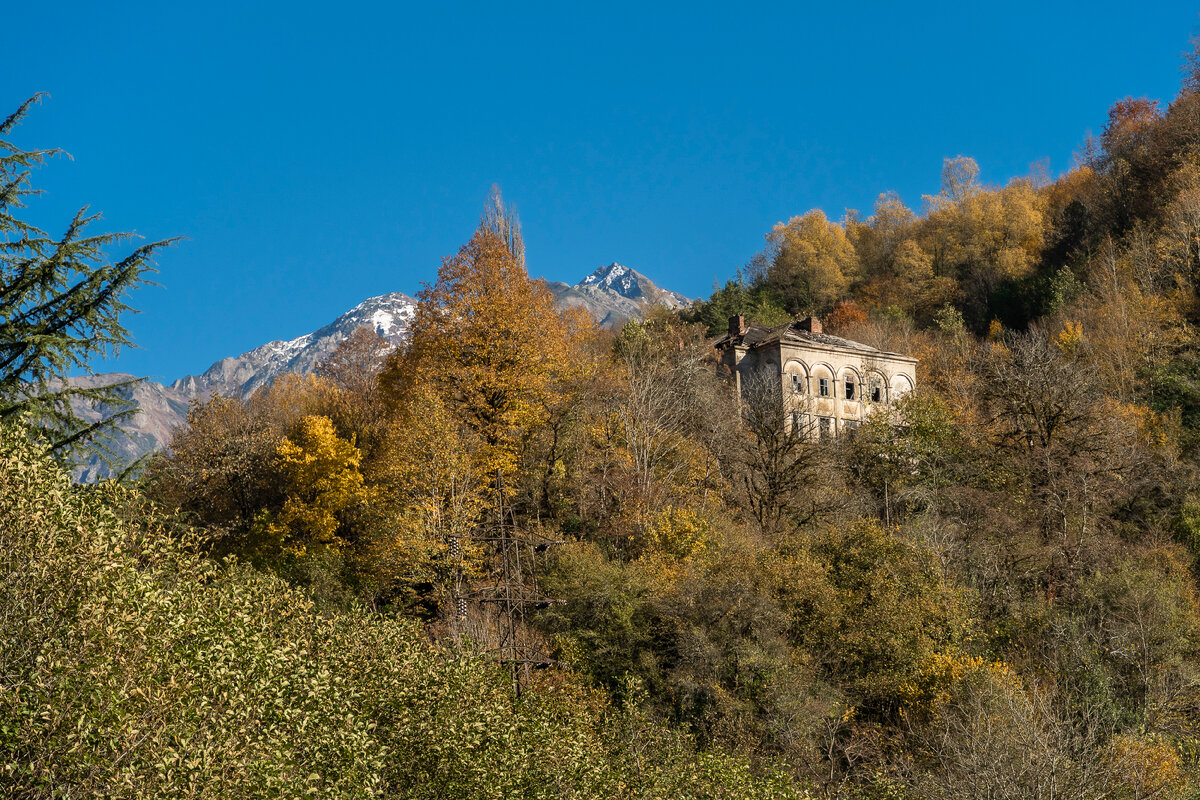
{"x":164,"y":407}
{"x":389,"y":315}
{"x":611,"y":294}
{"x":615,"y":293}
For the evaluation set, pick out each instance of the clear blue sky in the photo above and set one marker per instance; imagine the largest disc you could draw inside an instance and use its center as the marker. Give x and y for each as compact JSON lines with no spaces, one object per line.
{"x":318,"y":154}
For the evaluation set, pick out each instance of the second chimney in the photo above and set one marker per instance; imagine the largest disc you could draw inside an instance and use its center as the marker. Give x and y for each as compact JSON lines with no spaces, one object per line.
{"x":810,"y":324}
{"x":737,"y":325}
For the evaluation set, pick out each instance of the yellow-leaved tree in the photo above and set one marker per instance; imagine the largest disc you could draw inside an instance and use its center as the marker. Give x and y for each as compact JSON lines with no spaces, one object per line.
{"x":982,"y":236}
{"x":322,"y":484}
{"x":812,"y":262}
{"x":490,"y":344}
{"x":489,"y":363}
{"x":438,"y":492}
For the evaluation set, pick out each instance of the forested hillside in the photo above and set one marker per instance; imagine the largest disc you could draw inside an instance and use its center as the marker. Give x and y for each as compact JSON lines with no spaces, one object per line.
{"x":522,"y":556}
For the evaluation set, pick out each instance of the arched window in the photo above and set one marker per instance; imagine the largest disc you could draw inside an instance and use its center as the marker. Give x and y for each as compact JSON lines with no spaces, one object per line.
{"x":876,"y":388}
{"x":795,"y":378}
{"x":851,"y":385}
{"x":822,"y":381}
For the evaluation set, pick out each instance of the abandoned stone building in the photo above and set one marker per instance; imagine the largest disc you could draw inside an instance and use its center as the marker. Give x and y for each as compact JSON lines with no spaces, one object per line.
{"x":827,"y":385}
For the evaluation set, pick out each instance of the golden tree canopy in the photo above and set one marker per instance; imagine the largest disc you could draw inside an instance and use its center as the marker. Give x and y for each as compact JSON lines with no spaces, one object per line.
{"x":813,"y":262}
{"x":491,"y":344}
{"x":322,"y":481}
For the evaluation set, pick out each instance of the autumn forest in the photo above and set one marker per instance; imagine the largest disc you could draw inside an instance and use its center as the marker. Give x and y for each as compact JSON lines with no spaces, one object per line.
{"x":523,"y":556}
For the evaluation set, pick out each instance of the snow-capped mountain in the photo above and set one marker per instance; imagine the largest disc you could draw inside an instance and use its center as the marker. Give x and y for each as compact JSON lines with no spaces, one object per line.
{"x":389,"y":315}
{"x":611,"y":295}
{"x":162,"y":408}
{"x":616,"y":293}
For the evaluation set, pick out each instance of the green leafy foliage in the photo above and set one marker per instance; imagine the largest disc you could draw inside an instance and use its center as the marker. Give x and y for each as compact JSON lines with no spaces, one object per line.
{"x":756,"y":301}
{"x":135,"y":667}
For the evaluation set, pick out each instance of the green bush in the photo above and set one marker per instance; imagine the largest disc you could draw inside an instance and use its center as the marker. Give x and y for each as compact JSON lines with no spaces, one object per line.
{"x":131,"y":666}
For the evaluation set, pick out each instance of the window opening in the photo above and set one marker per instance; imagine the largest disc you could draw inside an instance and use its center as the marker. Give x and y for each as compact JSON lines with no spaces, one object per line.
{"x":849,"y":388}
{"x":824,"y":387}
{"x":797,"y":384}
{"x":826,"y":427}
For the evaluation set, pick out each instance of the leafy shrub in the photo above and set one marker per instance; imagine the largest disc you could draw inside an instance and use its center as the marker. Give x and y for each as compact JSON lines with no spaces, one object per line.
{"x":131,"y":666}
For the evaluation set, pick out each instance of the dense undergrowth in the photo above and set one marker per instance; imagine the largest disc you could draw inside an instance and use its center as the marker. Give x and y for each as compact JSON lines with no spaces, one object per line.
{"x":135,"y":667}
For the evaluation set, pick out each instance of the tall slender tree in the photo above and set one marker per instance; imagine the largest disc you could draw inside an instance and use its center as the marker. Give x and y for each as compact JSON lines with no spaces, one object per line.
{"x":490,"y":359}
{"x":489,"y":341}
{"x":61,"y":301}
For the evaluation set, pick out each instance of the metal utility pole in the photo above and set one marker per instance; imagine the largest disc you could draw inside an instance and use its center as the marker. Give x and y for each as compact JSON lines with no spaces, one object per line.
{"x":510,"y":592}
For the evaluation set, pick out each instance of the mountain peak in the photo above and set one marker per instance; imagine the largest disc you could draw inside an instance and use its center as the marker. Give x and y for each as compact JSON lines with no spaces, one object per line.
{"x":389,"y":314}
{"x":612,"y":271}
{"x":615,"y":293}
{"x":619,"y":279}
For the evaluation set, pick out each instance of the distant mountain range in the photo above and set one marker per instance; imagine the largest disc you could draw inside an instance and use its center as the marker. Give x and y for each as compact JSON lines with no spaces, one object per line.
{"x":611,"y":294}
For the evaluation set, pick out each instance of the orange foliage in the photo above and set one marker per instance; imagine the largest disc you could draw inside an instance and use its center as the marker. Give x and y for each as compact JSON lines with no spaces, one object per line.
{"x":844,"y":314}
{"x":1147,"y":766}
{"x":490,"y":343}
{"x":1129,"y":120}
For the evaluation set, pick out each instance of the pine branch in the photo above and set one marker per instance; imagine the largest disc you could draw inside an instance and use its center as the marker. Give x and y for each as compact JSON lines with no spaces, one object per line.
{"x":15,"y":118}
{"x":60,"y":304}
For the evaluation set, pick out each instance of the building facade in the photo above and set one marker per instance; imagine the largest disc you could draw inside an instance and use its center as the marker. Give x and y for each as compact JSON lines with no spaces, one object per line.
{"x":827,"y":385}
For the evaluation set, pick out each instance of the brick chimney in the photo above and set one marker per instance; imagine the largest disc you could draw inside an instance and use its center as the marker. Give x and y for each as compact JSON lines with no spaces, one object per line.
{"x":810,"y":324}
{"x":737,"y":325}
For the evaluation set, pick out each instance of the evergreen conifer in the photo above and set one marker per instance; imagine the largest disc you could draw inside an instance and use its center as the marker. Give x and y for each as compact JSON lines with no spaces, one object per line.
{"x":60,"y":305}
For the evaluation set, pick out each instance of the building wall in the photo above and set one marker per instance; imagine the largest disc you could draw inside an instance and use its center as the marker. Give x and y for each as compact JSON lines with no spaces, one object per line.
{"x":796,"y":371}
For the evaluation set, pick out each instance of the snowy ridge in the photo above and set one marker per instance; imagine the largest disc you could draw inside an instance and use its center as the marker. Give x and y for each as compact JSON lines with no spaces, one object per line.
{"x":631,"y":284}
{"x":389,"y":315}
{"x":615,"y":277}
{"x":288,"y":348}
{"x":615,"y":293}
